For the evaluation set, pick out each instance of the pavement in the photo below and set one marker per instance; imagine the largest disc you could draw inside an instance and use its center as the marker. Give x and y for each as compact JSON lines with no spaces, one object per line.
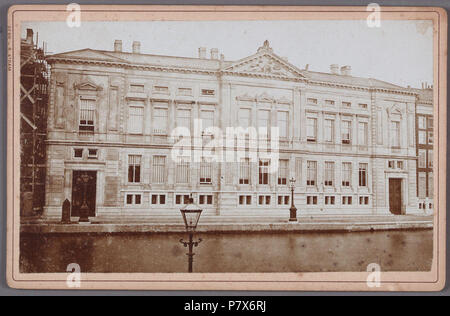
{"x":223,"y":224}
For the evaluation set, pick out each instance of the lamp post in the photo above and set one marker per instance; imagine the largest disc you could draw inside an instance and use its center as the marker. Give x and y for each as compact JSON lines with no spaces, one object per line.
{"x":84,"y":210}
{"x":293,"y":209}
{"x":191,"y":215}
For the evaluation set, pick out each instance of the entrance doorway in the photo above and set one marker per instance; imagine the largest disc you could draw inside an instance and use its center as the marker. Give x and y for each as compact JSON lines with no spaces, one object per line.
{"x":395,"y":196}
{"x":84,"y":185}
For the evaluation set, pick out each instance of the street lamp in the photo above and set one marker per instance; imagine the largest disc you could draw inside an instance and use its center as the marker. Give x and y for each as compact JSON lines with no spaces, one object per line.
{"x":293,"y":209}
{"x":191,"y":215}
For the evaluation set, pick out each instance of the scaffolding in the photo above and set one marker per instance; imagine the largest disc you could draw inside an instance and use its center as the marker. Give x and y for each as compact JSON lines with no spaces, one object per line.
{"x":34,"y":79}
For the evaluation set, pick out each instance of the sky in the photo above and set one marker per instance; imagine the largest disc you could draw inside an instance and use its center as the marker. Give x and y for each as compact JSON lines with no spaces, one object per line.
{"x":400,"y":52}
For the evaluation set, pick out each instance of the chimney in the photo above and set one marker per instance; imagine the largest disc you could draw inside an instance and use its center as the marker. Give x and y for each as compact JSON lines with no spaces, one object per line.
{"x":136,"y":47}
{"x":117,"y":45}
{"x":202,"y":52}
{"x":334,"y":69}
{"x":29,"y":38}
{"x":346,"y":70}
{"x":214,"y":53}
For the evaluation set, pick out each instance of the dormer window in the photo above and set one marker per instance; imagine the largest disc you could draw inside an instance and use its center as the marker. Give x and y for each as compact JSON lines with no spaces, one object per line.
{"x":311,"y":101}
{"x":139,"y":88}
{"x":208,"y":92}
{"x":161,"y":89}
{"x":184,"y":91}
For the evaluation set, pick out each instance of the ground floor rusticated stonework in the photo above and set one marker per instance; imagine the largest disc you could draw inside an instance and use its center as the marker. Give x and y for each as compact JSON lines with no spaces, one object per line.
{"x":124,"y":181}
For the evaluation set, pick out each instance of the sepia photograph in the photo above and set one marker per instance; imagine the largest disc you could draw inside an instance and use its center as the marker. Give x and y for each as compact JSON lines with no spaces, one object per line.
{"x":272,"y":147}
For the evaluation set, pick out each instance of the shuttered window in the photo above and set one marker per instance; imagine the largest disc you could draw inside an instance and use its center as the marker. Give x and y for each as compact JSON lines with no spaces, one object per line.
{"x":205,"y":172}
{"x":160,"y":121}
{"x":244,"y":171}
{"x":159,"y":169}
{"x":183,"y":172}
{"x":87,"y":115}
{"x":135,"y":119}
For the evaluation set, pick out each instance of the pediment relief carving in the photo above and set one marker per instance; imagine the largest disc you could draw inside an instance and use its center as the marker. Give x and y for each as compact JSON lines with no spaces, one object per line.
{"x":394,"y":110}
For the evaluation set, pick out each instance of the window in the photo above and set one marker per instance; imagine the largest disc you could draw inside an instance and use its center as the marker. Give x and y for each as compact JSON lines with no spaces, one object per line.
{"x":422,"y":137}
{"x":346,"y":174}
{"x":264,"y":200}
{"x":244,"y":118}
{"x":134,"y":168}
{"x":183,"y":171}
{"x":161,"y":89}
{"x":311,"y":101}
{"x":182,"y":199}
{"x":78,"y":153}
{"x":208,"y":92}
{"x":137,"y":88}
{"x":245,"y":199}
{"x":159,"y":169}
{"x":391,"y":164}
{"x":329,"y":173}
{"x":158,"y":199}
{"x":362,"y":133}
{"x":184,"y":118}
{"x":244,"y":171}
{"x":87,"y":115}
{"x":311,"y":200}
{"x":264,"y":172}
{"x":346,"y":105}
{"x":184,"y":91}
{"x":362,"y":174}
{"x":205,"y":199}
{"x":430,"y":158}
{"x":430,"y":122}
{"x":362,"y":105}
{"x":430,"y":138}
{"x":329,"y":200}
{"x":422,"y":122}
{"x":400,"y":164}
{"x":430,"y":185}
{"x":283,"y":199}
{"x":135,"y":119}
{"x":329,"y":131}
{"x":395,"y":134}
{"x":283,"y":123}
{"x":422,"y":158}
{"x":283,"y":170}
{"x":160,"y":116}
{"x":346,"y":200}
{"x":311,"y":179}
{"x":346,"y":132}
{"x":329,"y":102}
{"x":134,"y":199}
{"x":422,"y":186}
{"x":207,"y":119}
{"x":311,"y":129}
{"x":205,"y":172}
{"x":363,"y":200}
{"x":264,"y":120}
{"x":92,"y":153}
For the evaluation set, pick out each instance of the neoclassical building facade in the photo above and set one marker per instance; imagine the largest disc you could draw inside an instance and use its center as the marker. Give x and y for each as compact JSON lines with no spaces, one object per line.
{"x":349,"y":142}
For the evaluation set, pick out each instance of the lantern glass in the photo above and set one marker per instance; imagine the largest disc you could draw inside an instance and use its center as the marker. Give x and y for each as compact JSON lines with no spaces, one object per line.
{"x":191,"y":215}
{"x":292,"y":182}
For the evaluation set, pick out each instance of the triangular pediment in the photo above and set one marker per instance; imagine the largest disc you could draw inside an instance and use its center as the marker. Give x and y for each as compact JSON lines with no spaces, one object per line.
{"x":265,"y":63}
{"x":87,"y":54}
{"x":87,"y":85}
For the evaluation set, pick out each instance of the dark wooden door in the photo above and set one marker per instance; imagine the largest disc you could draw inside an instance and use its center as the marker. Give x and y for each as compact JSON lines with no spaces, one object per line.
{"x":84,"y":185}
{"x":395,"y":196}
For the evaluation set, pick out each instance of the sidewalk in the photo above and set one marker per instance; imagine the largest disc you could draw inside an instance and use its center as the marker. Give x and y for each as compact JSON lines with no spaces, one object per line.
{"x":222,"y":224}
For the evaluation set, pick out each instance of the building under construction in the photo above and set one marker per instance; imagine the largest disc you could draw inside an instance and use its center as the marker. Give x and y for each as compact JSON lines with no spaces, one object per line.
{"x":34,"y":75}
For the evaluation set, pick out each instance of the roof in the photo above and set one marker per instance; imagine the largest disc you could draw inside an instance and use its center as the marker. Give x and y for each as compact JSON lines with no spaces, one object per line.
{"x":262,"y":63}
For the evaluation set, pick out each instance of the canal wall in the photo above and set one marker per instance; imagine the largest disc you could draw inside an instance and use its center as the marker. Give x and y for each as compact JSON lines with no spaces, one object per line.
{"x":174,"y":225}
